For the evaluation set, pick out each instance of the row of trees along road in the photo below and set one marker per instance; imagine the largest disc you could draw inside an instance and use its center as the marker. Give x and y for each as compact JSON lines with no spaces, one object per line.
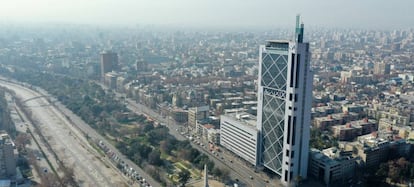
{"x":145,"y":143}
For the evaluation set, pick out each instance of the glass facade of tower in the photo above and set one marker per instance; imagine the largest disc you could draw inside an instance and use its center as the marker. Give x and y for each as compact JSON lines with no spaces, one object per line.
{"x":284,"y":106}
{"x":274,"y":67}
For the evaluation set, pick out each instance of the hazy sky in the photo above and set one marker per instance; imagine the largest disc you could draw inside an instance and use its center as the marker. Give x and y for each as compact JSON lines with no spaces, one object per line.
{"x":214,"y":13}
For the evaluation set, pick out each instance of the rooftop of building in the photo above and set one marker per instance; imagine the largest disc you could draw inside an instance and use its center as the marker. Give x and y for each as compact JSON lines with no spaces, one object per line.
{"x":320,"y":156}
{"x":331,"y":156}
{"x":336,"y":116}
{"x":208,"y":126}
{"x":178,"y":109}
{"x":113,"y":74}
{"x":278,"y":41}
{"x":213,"y":130}
{"x":356,"y":124}
{"x":107,"y":52}
{"x":5,"y":138}
{"x":200,"y":108}
{"x":376,"y":140}
{"x":234,"y":110}
{"x":336,"y":153}
{"x":244,"y":117}
{"x":249,"y":102}
{"x":354,"y":105}
{"x":323,"y":108}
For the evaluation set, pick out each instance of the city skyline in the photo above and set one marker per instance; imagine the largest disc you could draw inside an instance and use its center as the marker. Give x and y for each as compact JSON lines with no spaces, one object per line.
{"x":211,"y":14}
{"x":259,"y":107}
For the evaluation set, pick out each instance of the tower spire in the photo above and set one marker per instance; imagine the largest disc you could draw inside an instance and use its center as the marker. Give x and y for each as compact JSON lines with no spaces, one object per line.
{"x":299,"y":30}
{"x":205,"y":176}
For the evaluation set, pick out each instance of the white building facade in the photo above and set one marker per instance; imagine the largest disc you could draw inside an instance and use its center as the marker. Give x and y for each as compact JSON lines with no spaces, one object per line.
{"x":284,"y":106}
{"x":239,"y":135}
{"x":195,"y":114}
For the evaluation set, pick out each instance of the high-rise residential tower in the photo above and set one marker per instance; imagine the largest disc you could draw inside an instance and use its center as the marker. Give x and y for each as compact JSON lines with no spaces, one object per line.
{"x":382,"y":68}
{"x":284,"y":106}
{"x":109,"y":62}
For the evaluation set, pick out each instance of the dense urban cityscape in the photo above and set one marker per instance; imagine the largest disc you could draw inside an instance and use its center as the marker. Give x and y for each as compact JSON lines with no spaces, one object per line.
{"x":88,"y":105}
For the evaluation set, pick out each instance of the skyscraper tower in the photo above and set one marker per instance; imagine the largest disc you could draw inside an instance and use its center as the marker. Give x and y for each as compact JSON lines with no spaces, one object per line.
{"x":284,"y":106}
{"x":109,"y":62}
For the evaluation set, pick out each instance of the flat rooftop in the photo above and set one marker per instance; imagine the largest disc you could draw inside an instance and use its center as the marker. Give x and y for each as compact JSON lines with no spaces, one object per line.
{"x":244,"y":117}
{"x":277,"y":41}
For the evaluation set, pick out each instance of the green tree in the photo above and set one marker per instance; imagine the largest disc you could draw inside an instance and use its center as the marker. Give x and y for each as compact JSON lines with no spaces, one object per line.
{"x":148,"y":127}
{"x":183,"y":176}
{"x":158,"y":134}
{"x":144,"y":151}
{"x":216,"y":172}
{"x":166,"y":146}
{"x":154,"y":158}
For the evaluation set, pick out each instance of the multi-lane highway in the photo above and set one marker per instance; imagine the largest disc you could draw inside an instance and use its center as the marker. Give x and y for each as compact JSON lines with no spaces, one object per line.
{"x":81,"y":128}
{"x":86,"y":129}
{"x":36,"y":147}
{"x":67,"y":141}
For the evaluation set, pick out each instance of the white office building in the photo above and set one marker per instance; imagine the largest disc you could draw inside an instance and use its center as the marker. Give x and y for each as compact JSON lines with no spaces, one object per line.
{"x":195,"y":114}
{"x":238,"y":134}
{"x":284,"y":106}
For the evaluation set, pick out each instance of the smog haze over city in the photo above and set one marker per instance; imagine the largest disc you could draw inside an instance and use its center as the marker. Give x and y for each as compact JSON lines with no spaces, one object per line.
{"x":378,"y":14}
{"x":206,"y":93}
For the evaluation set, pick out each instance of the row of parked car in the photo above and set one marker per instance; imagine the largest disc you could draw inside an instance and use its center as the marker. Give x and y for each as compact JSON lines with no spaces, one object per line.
{"x":124,"y":167}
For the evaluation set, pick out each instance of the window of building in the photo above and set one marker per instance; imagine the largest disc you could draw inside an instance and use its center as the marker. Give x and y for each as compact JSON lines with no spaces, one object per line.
{"x":292,"y":70}
{"x":288,"y":130}
{"x":286,"y":175}
{"x":297,"y":71}
{"x":293,"y":130}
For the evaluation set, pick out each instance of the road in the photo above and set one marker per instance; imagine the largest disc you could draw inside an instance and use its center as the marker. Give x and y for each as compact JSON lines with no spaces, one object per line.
{"x":239,"y":170}
{"x":67,"y":141}
{"x":86,"y":129}
{"x":22,"y":124}
{"x":91,"y":133}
